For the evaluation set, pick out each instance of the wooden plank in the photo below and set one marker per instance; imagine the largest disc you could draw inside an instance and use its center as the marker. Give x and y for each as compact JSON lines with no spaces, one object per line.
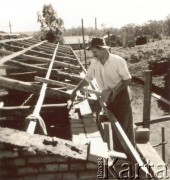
{"x":107,"y":134}
{"x":31,"y":126}
{"x":152,"y":157}
{"x":115,"y":154}
{"x":156,"y":120}
{"x":5,"y":59}
{"x":160,"y":98}
{"x":125,"y":142}
{"x":98,"y":149}
{"x":85,"y":108}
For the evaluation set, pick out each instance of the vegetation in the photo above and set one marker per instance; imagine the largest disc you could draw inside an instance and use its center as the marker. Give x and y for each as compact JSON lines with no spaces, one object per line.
{"x":52,"y":26}
{"x":153,"y":29}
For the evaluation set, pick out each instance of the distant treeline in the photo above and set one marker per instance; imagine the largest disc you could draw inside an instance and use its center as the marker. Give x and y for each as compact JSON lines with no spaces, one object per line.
{"x":152,"y":29}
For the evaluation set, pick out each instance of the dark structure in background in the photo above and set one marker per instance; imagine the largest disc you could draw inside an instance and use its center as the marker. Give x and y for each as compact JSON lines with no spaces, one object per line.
{"x":114,"y":40}
{"x":142,"y":39}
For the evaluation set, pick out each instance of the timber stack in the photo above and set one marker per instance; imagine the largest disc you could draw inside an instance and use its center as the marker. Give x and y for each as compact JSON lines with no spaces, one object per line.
{"x":43,"y":135}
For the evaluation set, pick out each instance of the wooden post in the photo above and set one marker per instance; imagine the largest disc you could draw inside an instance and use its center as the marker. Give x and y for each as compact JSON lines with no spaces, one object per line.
{"x":108,"y":135}
{"x":169,"y":84}
{"x":124,"y":39}
{"x":109,"y":41}
{"x":10,"y":27}
{"x":163,"y":144}
{"x":147,"y":98}
{"x":95,"y":23}
{"x":84,"y":45}
{"x":79,"y":49}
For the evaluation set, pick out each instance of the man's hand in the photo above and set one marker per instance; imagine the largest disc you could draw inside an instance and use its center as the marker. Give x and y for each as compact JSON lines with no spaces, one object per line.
{"x":105,"y":95}
{"x":112,"y":95}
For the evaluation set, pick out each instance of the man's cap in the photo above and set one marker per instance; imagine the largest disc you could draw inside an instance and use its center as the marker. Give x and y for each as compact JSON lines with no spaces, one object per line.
{"x":97,"y":42}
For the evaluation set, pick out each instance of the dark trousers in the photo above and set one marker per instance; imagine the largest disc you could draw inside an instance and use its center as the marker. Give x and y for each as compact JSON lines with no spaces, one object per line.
{"x":121,"y":109}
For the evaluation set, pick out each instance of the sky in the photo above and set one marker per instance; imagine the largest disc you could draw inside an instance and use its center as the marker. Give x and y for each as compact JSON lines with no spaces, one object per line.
{"x":22,"y":14}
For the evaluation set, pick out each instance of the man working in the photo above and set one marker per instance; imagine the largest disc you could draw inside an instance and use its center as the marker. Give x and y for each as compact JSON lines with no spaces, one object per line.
{"x":113,"y":77}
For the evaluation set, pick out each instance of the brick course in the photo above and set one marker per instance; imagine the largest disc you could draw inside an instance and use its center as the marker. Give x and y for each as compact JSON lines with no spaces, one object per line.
{"x":28,"y":163}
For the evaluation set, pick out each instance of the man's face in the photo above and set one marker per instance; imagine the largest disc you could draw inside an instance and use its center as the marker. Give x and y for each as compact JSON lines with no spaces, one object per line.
{"x":97,"y":53}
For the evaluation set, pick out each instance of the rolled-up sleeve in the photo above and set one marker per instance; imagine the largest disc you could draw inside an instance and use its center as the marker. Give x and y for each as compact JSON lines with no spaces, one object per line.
{"x":91,"y":72}
{"x":123,"y":69}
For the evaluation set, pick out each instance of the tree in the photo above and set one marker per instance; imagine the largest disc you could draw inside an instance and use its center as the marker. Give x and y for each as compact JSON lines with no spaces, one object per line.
{"x":52,"y":26}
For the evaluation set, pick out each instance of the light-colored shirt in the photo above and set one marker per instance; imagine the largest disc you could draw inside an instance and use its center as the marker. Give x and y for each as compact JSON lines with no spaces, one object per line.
{"x":110,"y":74}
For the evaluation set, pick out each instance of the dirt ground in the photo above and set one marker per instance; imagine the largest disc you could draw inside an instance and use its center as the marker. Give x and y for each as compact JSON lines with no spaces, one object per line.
{"x":156,"y":112}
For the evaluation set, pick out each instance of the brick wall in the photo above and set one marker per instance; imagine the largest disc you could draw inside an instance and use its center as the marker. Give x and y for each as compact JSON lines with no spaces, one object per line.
{"x":17,"y":164}
{"x":27,"y":162}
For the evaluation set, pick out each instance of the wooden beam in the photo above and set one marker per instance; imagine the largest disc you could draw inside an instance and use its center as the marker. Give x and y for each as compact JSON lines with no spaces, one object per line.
{"x":19,"y":39}
{"x":156,"y":120}
{"x":42,"y":53}
{"x":23,"y":73}
{"x":44,"y":86}
{"x":65,"y":54}
{"x":32,"y":88}
{"x":22,"y":44}
{"x":63,"y":84}
{"x":12,"y":48}
{"x":23,"y":111}
{"x":5,"y":59}
{"x":42,"y":71}
{"x":48,"y":60}
{"x":48,"y":50}
{"x":59,"y":58}
{"x":107,"y":134}
{"x":30,"y":128}
{"x":160,"y":98}
{"x":123,"y":139}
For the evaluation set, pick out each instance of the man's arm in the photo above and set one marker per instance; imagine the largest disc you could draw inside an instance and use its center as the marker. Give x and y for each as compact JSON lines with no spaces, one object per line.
{"x":82,"y":84}
{"x":120,"y":87}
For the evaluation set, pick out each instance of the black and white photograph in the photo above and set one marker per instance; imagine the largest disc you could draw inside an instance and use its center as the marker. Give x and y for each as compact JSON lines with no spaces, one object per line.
{"x":84,"y":89}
